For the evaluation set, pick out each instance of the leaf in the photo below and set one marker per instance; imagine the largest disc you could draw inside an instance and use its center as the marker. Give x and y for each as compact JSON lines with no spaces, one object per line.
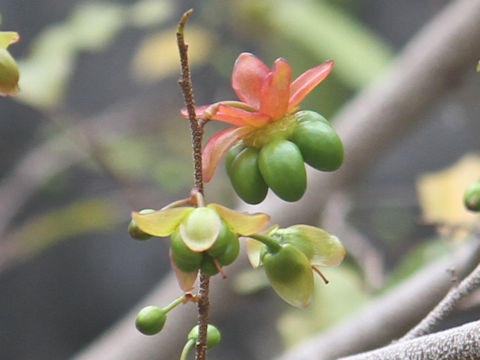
{"x":93,"y":25}
{"x":441,"y":193}
{"x":147,"y":13}
{"x":241,"y":223}
{"x":161,"y":223}
{"x":157,"y":56}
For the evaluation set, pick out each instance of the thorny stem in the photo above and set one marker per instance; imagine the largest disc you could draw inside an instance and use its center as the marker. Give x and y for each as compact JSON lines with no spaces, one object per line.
{"x":197,"y":134}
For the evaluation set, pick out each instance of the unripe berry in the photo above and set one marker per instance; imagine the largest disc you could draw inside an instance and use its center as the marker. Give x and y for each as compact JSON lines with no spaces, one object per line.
{"x":213,"y":335}
{"x":471,"y":198}
{"x":150,"y":320}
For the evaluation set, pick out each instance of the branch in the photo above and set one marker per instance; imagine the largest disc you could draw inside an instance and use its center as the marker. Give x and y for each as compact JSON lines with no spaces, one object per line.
{"x":461,"y":342}
{"x":446,"y":306}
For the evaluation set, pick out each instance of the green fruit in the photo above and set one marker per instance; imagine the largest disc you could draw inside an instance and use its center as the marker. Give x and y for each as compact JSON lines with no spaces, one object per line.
{"x":184,"y":258}
{"x":231,"y":252}
{"x":246,"y":177}
{"x":307,"y":115}
{"x":471,"y":198}
{"x":208,"y":266}
{"x":222,"y":242}
{"x":150,"y":320}
{"x":319,"y":144}
{"x":281,"y":165}
{"x":213,"y":335}
{"x":135,"y":232}
{"x":232,"y":154}
{"x":290,"y":274}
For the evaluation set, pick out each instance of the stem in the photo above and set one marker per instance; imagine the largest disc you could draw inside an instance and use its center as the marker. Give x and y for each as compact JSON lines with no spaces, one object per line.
{"x":202,"y":319}
{"x":174,"y":303}
{"x":186,"y":349}
{"x":187,"y":89}
{"x":272,"y":244}
{"x":197,"y":134}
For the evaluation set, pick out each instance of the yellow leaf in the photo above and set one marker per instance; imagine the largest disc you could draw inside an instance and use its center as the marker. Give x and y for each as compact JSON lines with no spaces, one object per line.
{"x":441,"y":193}
{"x":157,"y":56}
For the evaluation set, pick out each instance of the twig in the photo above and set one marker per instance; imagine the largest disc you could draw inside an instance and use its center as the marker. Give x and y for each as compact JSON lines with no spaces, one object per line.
{"x":446,"y":306}
{"x":187,"y":89}
{"x":197,"y":134}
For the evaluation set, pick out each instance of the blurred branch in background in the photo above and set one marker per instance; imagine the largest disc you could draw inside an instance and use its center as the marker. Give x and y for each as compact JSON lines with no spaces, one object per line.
{"x":461,"y":342}
{"x":428,"y":68}
{"x":370,"y":259}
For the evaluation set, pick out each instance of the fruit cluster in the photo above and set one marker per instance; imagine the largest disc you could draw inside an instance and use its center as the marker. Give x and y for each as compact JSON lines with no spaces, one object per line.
{"x":279,"y":164}
{"x":204,"y":238}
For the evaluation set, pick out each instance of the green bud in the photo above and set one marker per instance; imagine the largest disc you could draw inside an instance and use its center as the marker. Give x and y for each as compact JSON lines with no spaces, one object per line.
{"x":471,"y":198}
{"x":150,"y":320}
{"x":213,"y":335}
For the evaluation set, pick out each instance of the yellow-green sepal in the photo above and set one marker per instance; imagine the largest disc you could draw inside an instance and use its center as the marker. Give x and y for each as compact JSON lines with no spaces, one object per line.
{"x":7,"y":38}
{"x":241,"y":223}
{"x":320,"y":247}
{"x":161,"y":223}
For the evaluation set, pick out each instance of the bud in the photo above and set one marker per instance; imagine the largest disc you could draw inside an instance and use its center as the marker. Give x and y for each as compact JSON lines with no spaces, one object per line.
{"x":471,"y":198}
{"x":150,"y":320}
{"x":213,"y":335}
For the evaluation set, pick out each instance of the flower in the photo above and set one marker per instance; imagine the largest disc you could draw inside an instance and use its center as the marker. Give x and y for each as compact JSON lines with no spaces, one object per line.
{"x":291,"y":255}
{"x":267,"y":96}
{"x":198,"y":229}
{"x":8,"y":67}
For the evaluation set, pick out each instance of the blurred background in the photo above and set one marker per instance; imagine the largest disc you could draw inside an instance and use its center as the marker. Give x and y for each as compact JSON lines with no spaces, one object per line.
{"x":96,"y":133}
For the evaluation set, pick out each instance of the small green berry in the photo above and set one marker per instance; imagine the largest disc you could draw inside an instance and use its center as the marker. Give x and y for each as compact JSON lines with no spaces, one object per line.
{"x":213,"y":335}
{"x":150,"y":320}
{"x":471,"y":197}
